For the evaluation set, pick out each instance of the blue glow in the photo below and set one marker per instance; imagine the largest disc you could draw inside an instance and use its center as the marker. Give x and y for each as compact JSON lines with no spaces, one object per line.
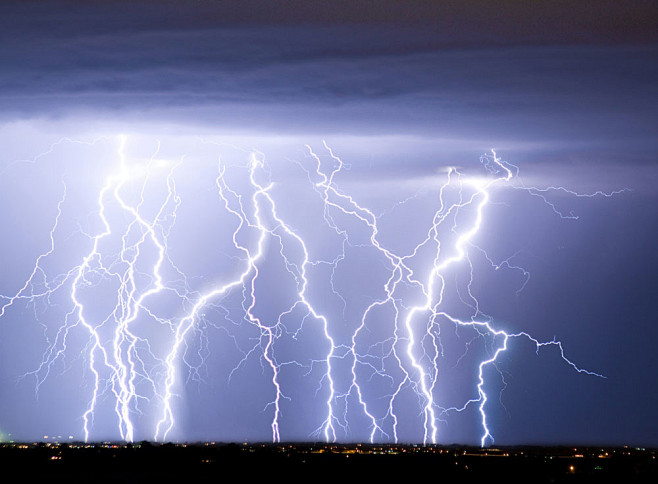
{"x":179,"y":254}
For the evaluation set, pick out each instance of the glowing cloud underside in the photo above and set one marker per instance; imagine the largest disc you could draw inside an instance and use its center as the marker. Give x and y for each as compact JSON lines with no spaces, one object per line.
{"x":378,"y":367}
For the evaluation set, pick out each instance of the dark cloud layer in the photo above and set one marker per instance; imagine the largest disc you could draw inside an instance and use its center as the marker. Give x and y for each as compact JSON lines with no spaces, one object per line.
{"x":451,"y":21}
{"x":364,"y":77}
{"x":568,"y":81}
{"x":576,"y":78}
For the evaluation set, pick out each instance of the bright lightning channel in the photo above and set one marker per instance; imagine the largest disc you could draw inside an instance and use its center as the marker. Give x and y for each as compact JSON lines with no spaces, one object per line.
{"x":130,"y":254}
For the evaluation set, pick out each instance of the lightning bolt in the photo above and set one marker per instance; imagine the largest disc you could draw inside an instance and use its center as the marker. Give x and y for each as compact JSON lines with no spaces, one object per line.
{"x":128,"y":260}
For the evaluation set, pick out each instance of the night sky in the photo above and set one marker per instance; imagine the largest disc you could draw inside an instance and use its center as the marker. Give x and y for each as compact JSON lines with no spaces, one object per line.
{"x":408,"y":94}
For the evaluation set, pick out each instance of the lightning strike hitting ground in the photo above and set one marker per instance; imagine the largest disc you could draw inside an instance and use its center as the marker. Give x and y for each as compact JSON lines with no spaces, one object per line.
{"x":379,"y":367}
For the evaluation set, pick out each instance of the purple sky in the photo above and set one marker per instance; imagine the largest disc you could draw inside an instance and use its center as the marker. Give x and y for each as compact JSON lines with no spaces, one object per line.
{"x":400,"y":91}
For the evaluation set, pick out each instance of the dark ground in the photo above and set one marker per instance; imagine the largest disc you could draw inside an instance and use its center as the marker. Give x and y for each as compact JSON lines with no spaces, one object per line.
{"x":145,"y":462}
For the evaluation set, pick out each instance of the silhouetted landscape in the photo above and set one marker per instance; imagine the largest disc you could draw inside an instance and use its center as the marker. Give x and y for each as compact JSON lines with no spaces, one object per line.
{"x":112,"y":462}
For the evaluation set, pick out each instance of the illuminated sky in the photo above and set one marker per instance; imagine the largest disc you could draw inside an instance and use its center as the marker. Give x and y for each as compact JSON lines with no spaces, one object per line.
{"x":403,"y":93}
